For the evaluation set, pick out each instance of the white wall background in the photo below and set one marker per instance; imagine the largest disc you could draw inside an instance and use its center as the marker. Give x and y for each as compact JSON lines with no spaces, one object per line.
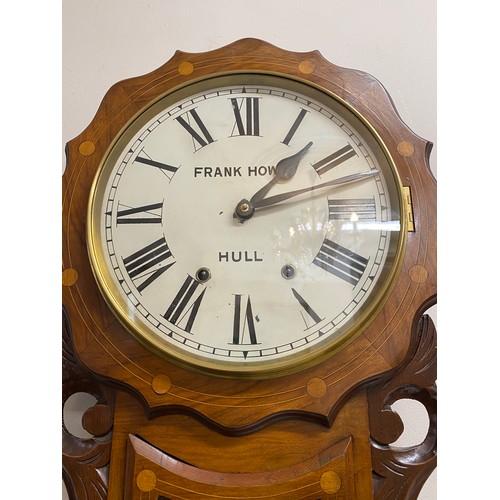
{"x":394,"y":40}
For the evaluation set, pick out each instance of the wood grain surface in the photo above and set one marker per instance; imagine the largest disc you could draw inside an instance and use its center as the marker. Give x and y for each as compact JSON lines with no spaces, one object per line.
{"x":280,"y":432}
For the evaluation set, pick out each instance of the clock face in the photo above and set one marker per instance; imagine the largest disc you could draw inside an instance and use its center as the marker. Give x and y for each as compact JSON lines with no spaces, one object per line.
{"x":246,"y":225}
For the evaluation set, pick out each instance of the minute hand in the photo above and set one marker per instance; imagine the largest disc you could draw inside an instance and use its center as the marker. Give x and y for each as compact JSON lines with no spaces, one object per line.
{"x":273,"y":200}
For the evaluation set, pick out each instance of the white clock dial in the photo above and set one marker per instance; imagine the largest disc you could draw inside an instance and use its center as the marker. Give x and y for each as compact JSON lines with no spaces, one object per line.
{"x":193,"y":277}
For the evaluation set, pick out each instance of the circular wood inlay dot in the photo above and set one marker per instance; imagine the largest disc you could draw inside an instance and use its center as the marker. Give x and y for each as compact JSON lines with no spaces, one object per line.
{"x":405,"y":148}
{"x":86,"y":148}
{"x":185,"y":68}
{"x":316,"y":388}
{"x":306,"y":67}
{"x":146,"y":480}
{"x":69,"y":276}
{"x":330,"y":482}
{"x":418,"y":274}
{"x":161,"y":384}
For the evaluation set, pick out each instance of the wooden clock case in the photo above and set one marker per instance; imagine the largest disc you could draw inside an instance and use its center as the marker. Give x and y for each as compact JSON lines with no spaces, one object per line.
{"x":163,"y":432}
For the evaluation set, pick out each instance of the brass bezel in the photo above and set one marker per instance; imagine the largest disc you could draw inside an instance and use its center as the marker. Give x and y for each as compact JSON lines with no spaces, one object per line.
{"x":292,"y":363}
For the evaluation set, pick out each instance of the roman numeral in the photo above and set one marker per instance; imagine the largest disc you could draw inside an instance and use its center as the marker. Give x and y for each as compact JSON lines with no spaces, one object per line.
{"x":145,"y":265}
{"x":307,"y":308}
{"x":243,"y":323}
{"x":249,"y":125}
{"x":352,"y":209}
{"x":187,"y":300}
{"x":341,"y":262}
{"x":334,"y":159}
{"x":198,"y":131}
{"x":147,"y":214}
{"x":164,"y":168}
{"x":295,"y":126}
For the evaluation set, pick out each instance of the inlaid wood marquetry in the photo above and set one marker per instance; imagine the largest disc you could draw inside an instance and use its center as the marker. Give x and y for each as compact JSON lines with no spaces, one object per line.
{"x":306,"y":67}
{"x":330,"y":482}
{"x":165,"y":428}
{"x":186,"y":68}
{"x":405,"y":148}
{"x":163,"y":475}
{"x":86,"y":148}
{"x":316,"y":388}
{"x":161,"y":384}
{"x":69,"y":277}
{"x":418,"y":274}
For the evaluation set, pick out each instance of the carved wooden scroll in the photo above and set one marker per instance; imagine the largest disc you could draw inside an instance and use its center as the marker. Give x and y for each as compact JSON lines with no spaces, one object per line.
{"x":401,"y":472}
{"x":85,"y":462}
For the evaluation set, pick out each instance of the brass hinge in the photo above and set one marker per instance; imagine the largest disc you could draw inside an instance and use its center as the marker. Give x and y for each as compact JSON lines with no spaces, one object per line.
{"x":409,"y":208}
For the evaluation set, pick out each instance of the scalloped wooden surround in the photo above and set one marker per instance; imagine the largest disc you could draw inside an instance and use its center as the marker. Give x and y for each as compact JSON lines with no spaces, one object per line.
{"x":162,"y":432}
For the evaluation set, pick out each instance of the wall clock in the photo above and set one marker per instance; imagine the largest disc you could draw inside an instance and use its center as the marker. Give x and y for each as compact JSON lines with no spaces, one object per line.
{"x":249,"y":246}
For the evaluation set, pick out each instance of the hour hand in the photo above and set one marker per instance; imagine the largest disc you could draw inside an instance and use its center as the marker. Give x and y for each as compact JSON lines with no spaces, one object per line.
{"x":285,"y":169}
